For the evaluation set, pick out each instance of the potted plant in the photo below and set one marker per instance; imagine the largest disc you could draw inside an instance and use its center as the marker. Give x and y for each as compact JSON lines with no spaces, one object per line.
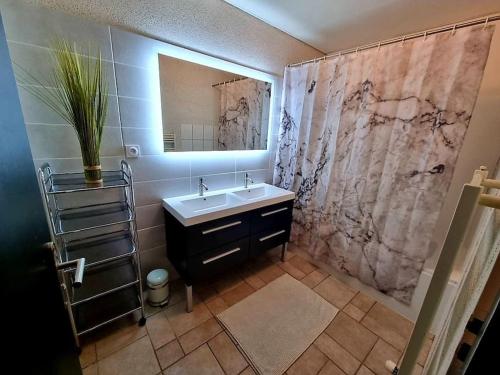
{"x":77,"y":91}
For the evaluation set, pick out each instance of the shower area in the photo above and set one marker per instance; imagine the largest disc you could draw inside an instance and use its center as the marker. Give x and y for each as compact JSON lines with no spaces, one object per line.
{"x":370,"y":141}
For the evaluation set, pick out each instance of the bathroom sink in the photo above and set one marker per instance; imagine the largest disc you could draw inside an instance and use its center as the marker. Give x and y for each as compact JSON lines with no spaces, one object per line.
{"x":195,"y":209}
{"x":206,"y":202}
{"x":251,"y":193}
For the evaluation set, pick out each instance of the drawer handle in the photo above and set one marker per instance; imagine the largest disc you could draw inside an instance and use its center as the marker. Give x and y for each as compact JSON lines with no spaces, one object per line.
{"x":274,"y":212}
{"x":209,"y":260}
{"x":221,"y":227}
{"x":272,"y":235}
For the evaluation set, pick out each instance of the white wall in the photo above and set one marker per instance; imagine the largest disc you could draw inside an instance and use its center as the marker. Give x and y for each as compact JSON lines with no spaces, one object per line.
{"x":132,"y":118}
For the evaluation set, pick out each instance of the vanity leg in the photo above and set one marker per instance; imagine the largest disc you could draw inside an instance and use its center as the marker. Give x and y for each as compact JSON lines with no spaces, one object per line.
{"x":189,"y":298}
{"x":283,"y":251}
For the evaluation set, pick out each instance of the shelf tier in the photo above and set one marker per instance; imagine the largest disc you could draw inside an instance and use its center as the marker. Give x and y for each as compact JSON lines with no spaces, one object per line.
{"x":104,"y":310}
{"x":105,"y":279}
{"x":75,"y":182}
{"x":77,"y":220}
{"x":101,"y":249}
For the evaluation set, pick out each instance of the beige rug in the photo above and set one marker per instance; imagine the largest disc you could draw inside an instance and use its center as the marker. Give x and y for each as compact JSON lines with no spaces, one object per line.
{"x":276,"y":324}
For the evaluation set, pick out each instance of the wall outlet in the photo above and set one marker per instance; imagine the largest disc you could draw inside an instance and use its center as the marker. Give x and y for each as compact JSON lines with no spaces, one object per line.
{"x":132,"y":151}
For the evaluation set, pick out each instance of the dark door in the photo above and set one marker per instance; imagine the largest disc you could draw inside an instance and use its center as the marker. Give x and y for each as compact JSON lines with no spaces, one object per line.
{"x":36,"y":335}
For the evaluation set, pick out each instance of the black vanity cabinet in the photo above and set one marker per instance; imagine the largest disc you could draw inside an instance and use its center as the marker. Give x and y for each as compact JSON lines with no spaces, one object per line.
{"x":204,"y":250}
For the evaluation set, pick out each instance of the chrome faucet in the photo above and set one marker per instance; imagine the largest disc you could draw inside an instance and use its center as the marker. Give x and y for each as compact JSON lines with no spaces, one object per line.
{"x":202,"y":187}
{"x":247,"y":178}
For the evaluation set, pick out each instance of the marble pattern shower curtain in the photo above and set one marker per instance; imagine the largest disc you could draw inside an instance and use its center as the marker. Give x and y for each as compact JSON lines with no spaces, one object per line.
{"x":369,"y":142}
{"x":244,"y":119}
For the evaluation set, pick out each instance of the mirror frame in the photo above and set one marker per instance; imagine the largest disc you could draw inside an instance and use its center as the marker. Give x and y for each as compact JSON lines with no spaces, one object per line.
{"x":162,"y":48}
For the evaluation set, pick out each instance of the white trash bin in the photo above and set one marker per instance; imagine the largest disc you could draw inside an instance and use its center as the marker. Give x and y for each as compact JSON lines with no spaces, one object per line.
{"x":158,"y":293}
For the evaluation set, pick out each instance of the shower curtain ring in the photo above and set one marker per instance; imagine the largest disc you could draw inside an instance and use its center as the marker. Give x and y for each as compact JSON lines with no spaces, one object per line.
{"x":357,"y":49}
{"x":425,"y":36}
{"x":454,"y":29}
{"x":378,"y":47}
{"x":403,"y":41}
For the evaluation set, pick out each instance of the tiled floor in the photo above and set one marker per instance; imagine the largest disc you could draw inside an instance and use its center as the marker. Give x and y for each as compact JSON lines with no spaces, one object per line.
{"x":363,"y":335}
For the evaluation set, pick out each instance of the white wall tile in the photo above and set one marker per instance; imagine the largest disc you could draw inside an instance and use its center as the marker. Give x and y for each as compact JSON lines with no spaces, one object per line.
{"x":208,"y":132}
{"x":60,"y":141}
{"x":149,"y":216}
{"x":186,"y":131}
{"x":257,"y":176}
{"x":138,"y":113}
{"x":159,"y":167}
{"x":197,"y":131}
{"x":197,"y":144}
{"x":151,"y":192}
{"x":150,"y":140}
{"x":134,"y":82}
{"x":151,"y":237}
{"x":213,"y":163}
{"x":34,"y":111}
{"x":214,"y":182}
{"x":186,"y":145}
{"x":41,"y":26}
{"x":252,"y":160}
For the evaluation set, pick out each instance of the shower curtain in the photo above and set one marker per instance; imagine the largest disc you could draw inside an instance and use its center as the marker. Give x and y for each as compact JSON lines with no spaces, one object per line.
{"x":368,"y":142}
{"x":244,"y":118}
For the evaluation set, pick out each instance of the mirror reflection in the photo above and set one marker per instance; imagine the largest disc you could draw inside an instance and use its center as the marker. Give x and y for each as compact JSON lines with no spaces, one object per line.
{"x":207,"y":109}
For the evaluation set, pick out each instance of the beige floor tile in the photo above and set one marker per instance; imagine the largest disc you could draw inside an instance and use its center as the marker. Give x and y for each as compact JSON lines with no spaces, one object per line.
{"x":363,"y":370}
{"x":216,"y":305}
{"x":351,"y":335}
{"x":200,"y":361}
{"x":389,"y":325}
{"x":331,"y":369}
{"x":90,"y":370}
{"x":341,"y":357}
{"x":169,"y":354}
{"x":380,"y":353}
{"x":291,"y":269}
{"x":227,"y":354}
{"x":354,"y":312}
{"x":314,"y":278}
{"x":136,"y":358}
{"x":182,"y":321}
{"x":237,"y":294}
{"x":119,"y":338}
{"x":270,"y":273}
{"x":302,"y":264}
{"x":335,"y":292}
{"x":159,"y":330}
{"x":88,"y":355}
{"x":363,"y":302}
{"x":248,"y":371}
{"x":255,"y":281}
{"x":199,"y":335}
{"x":309,"y":363}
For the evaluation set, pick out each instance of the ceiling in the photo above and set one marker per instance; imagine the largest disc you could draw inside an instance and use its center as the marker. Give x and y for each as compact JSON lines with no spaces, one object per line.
{"x":332,"y":25}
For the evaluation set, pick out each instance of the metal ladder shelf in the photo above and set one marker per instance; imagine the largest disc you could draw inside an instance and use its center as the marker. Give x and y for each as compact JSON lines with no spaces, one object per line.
{"x":96,"y":223}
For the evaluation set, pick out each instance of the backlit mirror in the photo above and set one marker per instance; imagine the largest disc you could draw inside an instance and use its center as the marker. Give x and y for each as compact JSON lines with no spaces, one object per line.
{"x":207,"y":109}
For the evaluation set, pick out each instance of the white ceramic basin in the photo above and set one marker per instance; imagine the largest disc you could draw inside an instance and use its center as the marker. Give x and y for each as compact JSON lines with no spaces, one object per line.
{"x":256,"y":192}
{"x":206,"y":202}
{"x":193,"y":209}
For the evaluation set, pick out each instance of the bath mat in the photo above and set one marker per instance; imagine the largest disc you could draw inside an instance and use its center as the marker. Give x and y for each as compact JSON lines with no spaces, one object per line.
{"x":276,"y":324}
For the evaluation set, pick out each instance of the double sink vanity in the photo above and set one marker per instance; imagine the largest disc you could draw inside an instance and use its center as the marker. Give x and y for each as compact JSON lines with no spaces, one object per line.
{"x":209,"y":233}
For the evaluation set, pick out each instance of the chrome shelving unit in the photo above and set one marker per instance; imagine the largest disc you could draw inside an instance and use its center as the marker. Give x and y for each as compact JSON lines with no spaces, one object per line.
{"x":94,"y":228}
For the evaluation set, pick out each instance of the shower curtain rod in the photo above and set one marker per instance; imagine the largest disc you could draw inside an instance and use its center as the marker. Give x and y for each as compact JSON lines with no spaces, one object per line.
{"x":230,"y":81}
{"x":403,"y":38}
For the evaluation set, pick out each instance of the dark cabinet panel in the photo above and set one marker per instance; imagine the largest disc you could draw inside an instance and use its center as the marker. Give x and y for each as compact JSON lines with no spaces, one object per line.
{"x":277,"y":215}
{"x":266,"y":240}
{"x":212,"y":234}
{"x":213,"y":262}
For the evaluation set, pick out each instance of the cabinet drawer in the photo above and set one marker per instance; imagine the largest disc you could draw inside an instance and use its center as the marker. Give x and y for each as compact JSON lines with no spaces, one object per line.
{"x":222,"y":259}
{"x":277,"y":215}
{"x":268,"y":239}
{"x":213,"y":234}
